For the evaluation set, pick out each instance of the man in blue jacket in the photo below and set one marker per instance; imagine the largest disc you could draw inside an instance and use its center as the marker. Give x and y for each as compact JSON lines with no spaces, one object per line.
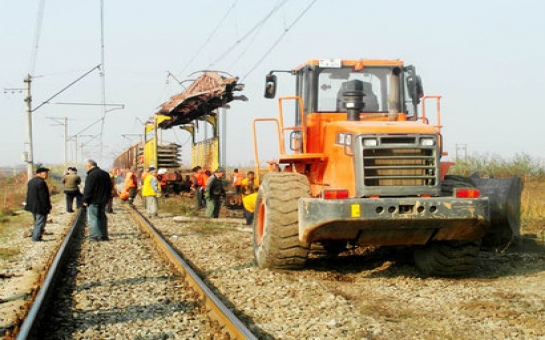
{"x":38,"y":202}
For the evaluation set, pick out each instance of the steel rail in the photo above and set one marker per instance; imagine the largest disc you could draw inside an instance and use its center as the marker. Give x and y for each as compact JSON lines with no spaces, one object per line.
{"x":32,"y":319}
{"x":216,"y":309}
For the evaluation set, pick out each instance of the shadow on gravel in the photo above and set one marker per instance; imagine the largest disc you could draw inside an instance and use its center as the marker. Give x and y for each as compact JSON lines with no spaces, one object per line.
{"x":522,"y":258}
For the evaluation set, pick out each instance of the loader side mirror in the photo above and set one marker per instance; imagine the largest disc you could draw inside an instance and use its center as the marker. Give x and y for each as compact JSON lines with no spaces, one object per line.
{"x":416,"y":90}
{"x":270,"y":86}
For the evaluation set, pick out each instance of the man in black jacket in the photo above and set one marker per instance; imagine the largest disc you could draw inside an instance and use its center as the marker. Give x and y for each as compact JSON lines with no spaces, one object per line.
{"x":214,"y":192}
{"x":96,"y":194}
{"x":38,"y":202}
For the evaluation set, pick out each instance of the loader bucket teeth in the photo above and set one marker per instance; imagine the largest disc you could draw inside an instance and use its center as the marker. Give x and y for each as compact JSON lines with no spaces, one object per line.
{"x":504,"y":199}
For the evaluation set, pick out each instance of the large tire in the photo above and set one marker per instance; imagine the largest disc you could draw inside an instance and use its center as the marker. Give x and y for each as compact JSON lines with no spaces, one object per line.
{"x":276,"y":229}
{"x":448,"y":259}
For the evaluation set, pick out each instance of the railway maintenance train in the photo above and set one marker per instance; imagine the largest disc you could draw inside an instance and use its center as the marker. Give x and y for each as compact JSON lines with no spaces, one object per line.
{"x":194,"y":108}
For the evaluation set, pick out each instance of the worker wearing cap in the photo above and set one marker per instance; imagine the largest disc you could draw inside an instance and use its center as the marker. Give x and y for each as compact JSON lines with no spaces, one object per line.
{"x":162,"y":178}
{"x":213,"y":193}
{"x":71,"y":182}
{"x":38,"y":202}
{"x":151,"y":190}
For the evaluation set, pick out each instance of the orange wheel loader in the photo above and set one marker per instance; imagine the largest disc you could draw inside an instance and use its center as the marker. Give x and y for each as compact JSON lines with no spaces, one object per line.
{"x":360,"y":164}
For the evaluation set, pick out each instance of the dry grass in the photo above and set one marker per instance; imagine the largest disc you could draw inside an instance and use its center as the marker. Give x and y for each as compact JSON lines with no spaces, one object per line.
{"x":12,"y":226}
{"x":177,"y":205}
{"x":533,"y":207}
{"x":532,"y":174}
{"x":14,"y":220}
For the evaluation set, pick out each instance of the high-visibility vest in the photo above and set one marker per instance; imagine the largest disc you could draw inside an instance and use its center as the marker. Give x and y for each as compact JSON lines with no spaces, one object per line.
{"x":237,"y":178}
{"x":205,"y":178}
{"x":147,"y":188}
{"x":131,"y":181}
{"x":249,"y":202}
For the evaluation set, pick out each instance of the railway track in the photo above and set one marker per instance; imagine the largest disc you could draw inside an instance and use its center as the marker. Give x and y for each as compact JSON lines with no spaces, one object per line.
{"x":373,"y":294}
{"x":82,"y":295}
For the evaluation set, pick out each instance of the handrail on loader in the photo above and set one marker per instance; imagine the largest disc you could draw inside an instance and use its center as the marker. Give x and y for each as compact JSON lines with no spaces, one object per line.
{"x":302,"y":127}
{"x":437,"y":98}
{"x":254,"y":133}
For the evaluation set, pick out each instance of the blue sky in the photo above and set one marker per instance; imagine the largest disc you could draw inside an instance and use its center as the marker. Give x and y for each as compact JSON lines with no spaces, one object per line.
{"x":484,"y":57}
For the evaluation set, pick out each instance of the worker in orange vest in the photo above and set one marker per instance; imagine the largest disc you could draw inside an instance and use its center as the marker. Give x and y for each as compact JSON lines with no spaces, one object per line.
{"x":237,"y":181}
{"x":197,"y":187}
{"x":131,"y":184}
{"x":205,"y":175}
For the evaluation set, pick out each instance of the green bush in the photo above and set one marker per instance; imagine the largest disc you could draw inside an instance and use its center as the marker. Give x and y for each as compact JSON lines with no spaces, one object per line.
{"x":522,"y":165}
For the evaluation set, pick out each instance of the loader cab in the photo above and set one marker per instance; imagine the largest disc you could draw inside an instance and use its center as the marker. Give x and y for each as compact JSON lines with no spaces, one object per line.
{"x":387,"y":86}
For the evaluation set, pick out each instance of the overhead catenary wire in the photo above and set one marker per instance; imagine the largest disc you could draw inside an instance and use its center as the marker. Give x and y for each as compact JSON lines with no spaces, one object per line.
{"x":247,"y":48}
{"x":254,"y":32}
{"x":214,"y":31}
{"x":278,"y":40}
{"x":278,"y":5}
{"x":37,"y":35}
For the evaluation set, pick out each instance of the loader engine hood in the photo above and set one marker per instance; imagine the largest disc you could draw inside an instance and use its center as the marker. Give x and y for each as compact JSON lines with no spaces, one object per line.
{"x":388,"y":158}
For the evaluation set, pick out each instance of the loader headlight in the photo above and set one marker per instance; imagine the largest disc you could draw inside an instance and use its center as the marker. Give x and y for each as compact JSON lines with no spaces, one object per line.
{"x":427,"y":141}
{"x":344,"y":139}
{"x":370,"y":142}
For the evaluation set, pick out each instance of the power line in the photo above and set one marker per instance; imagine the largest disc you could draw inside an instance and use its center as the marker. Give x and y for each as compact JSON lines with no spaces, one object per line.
{"x":209,"y":38}
{"x":256,"y":26}
{"x":37,"y":34}
{"x":250,"y":43}
{"x":279,"y":39}
{"x":66,"y":87}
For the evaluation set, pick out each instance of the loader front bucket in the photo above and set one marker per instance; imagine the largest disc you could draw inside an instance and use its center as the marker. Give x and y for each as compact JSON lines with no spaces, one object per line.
{"x":504,"y":199}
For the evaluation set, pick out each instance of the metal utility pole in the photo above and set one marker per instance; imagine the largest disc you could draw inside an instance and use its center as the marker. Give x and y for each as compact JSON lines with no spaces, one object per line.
{"x":223,"y":136}
{"x":28,"y":155}
{"x":461,"y":147}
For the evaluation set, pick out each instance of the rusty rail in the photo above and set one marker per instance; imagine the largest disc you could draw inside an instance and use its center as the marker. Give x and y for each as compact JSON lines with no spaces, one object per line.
{"x":216,"y":309}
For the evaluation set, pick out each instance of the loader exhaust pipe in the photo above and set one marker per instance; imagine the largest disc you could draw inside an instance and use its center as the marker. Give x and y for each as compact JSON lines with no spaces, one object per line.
{"x":353,"y":102}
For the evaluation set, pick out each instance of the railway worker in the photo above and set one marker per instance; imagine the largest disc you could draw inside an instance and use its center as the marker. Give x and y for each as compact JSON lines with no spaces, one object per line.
{"x":214,"y":192}
{"x":249,"y":185}
{"x":79,"y":197}
{"x":131,"y":184}
{"x":237,"y":181}
{"x":205,"y":175}
{"x":109,"y":206}
{"x":248,"y":204}
{"x":162,"y":178}
{"x":197,"y":186}
{"x":151,"y":190}
{"x":71,"y":182}
{"x":96,"y":194}
{"x":38,"y":202}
